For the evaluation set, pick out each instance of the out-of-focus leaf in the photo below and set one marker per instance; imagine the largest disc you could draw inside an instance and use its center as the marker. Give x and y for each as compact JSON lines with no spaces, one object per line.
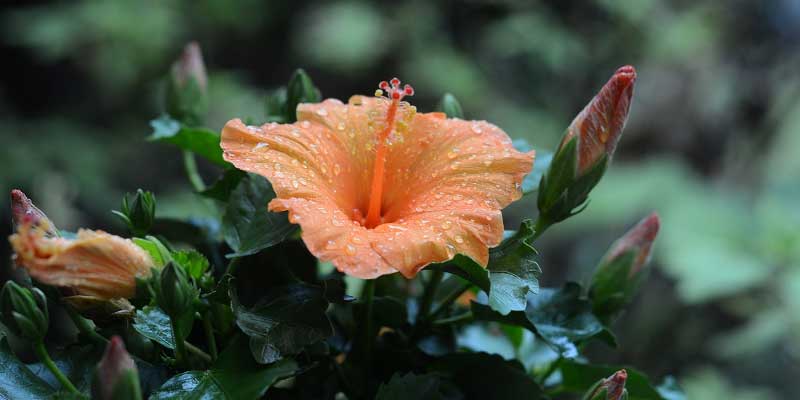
{"x":669,"y":389}
{"x":17,"y":381}
{"x":202,"y":142}
{"x":222,"y":188}
{"x":247,"y":225}
{"x":578,"y":378}
{"x":422,"y":387}
{"x":487,"y":376}
{"x":284,"y":321}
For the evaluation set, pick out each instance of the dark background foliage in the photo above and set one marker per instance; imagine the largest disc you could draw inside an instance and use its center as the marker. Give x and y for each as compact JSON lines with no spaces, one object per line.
{"x":711,"y":143}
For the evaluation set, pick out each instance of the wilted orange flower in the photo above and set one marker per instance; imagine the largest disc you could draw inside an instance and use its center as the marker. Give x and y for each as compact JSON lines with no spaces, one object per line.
{"x":378,"y":187}
{"x":94,"y":264}
{"x":599,"y":125}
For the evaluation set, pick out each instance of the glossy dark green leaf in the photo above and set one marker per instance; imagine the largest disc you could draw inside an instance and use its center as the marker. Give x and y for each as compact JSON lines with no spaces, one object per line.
{"x":563,"y":317}
{"x":17,"y":381}
{"x":578,"y":378}
{"x":284,"y":321}
{"x":488,"y":376}
{"x":421,"y":387}
{"x":513,"y":271}
{"x":222,"y":188}
{"x":541,"y":163}
{"x":152,"y":323}
{"x":200,"y":141}
{"x":234,"y":376}
{"x":466,"y":268}
{"x":247,"y":225}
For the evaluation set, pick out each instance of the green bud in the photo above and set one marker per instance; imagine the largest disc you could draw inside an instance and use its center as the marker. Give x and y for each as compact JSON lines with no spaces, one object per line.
{"x":116,"y":376}
{"x":621,"y":271}
{"x":300,"y":90}
{"x":186,"y":97}
{"x":138,"y":211}
{"x":24,"y":311}
{"x":176,"y":294}
{"x":611,"y":388}
{"x":450,"y":106}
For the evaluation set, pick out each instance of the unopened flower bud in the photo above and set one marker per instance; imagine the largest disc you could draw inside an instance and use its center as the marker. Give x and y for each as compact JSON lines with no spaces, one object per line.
{"x":621,"y":270}
{"x":450,"y":106}
{"x":187,"y":100}
{"x":611,"y":388}
{"x":586,"y":149}
{"x":176,"y":293}
{"x":24,"y":311}
{"x":116,"y":376}
{"x":300,"y":90}
{"x":23,"y":211}
{"x":138,"y":212}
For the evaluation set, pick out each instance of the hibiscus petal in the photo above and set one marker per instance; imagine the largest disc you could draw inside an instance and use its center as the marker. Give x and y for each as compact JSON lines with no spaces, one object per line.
{"x":446,"y":181}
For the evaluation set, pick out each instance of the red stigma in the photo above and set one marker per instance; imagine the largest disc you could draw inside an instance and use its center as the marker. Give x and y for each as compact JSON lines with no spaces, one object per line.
{"x":394,"y":91}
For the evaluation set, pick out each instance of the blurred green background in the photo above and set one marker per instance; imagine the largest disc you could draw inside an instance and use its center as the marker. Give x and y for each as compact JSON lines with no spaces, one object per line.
{"x":712,"y":143}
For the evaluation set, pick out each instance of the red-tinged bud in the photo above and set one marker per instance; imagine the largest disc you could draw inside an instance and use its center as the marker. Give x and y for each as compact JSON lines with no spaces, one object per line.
{"x":611,"y":388}
{"x":186,"y":97}
{"x":23,"y":211}
{"x":620,"y":272}
{"x":599,"y":126}
{"x":116,"y":376}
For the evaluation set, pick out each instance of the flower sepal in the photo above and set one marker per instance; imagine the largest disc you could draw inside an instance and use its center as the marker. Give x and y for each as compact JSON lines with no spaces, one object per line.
{"x":24,"y":311}
{"x":138,"y":211}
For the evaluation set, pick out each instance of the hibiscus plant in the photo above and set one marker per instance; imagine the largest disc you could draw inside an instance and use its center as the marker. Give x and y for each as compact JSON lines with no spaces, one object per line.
{"x":359,"y":253}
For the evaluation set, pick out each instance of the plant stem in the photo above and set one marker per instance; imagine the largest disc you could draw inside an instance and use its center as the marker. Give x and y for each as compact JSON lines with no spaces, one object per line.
{"x":84,"y":326}
{"x":190,"y":164}
{"x":550,"y":370}
{"x":540,"y":227}
{"x":428,"y":295}
{"x":180,"y":344}
{"x":465,"y":317}
{"x":368,"y":294}
{"x":196,"y":351}
{"x":44,"y":357}
{"x":233,"y":265}
{"x":209,"y":331}
{"x":452,"y":297}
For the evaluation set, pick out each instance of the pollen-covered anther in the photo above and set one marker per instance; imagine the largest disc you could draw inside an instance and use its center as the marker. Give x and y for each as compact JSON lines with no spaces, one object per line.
{"x":393,"y":89}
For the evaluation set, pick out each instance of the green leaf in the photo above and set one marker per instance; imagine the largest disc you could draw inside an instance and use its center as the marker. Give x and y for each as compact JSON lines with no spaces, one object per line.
{"x":194,"y":263}
{"x":511,"y":275}
{"x":578,"y":378}
{"x":422,"y":387}
{"x":513,"y":271}
{"x":559,"y":316}
{"x":247,"y":225}
{"x":488,"y":376}
{"x":200,"y":141}
{"x":152,"y":323}
{"x":300,"y":90}
{"x":450,"y":106}
{"x":275,"y":105}
{"x":222,"y":188}
{"x":531,"y":182}
{"x":155,"y":249}
{"x":283,"y":322}
{"x":17,"y":381}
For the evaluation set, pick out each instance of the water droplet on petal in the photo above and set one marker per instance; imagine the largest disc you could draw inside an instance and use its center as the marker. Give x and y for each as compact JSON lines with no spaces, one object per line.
{"x":350,"y":250}
{"x":322,"y":112}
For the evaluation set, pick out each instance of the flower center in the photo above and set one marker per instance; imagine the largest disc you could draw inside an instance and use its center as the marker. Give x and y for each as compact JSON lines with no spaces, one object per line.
{"x":395,"y":93}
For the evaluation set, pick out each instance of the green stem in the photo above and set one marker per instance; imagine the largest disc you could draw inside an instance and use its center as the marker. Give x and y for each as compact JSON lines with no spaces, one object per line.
{"x":540,"y":227}
{"x":84,"y":326}
{"x":190,"y":164}
{"x":550,"y":370}
{"x":233,"y":265}
{"x":209,"y":331}
{"x":465,"y":317}
{"x":180,"y":344}
{"x":428,"y":294}
{"x":196,"y":351}
{"x":368,"y":294}
{"x":452,"y":297}
{"x":44,"y":357}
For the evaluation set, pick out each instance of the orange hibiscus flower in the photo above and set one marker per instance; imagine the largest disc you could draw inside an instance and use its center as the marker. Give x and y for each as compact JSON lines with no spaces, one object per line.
{"x":377,"y":187}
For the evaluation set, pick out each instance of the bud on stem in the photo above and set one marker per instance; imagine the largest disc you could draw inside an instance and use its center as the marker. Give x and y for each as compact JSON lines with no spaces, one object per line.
{"x":23,"y":211}
{"x":138,"y":212}
{"x":24,"y":311}
{"x":186,"y":97}
{"x":611,"y":388}
{"x":116,"y":376}
{"x":585,"y":151}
